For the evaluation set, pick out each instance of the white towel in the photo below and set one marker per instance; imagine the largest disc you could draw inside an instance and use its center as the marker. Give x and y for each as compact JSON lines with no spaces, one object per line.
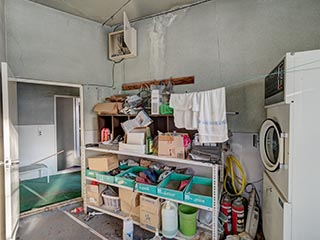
{"x":212,"y":120}
{"x":182,"y":104}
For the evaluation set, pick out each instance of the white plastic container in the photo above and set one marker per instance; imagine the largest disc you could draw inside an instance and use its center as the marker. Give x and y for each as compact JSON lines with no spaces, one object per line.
{"x":127,"y":233}
{"x":169,"y":213}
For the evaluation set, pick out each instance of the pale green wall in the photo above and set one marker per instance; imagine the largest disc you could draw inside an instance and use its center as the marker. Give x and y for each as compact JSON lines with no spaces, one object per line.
{"x":228,"y":43}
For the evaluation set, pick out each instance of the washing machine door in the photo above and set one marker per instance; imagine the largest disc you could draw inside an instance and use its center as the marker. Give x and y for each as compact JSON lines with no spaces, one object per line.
{"x":271,"y":145}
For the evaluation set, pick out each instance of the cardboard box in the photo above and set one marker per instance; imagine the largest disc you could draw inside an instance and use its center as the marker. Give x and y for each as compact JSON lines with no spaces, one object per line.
{"x":131,"y":211}
{"x":103,"y":163}
{"x":150,"y":213}
{"x":133,"y":148}
{"x":171,"y":146}
{"x":136,"y":138}
{"x":94,"y":194}
{"x":108,"y":108}
{"x":129,"y":197}
{"x":129,"y":202}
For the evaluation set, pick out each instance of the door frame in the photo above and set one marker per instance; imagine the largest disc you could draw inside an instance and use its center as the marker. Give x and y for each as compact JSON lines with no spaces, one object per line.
{"x":74,"y":118}
{"x":10,"y":161}
{"x":81,"y":96}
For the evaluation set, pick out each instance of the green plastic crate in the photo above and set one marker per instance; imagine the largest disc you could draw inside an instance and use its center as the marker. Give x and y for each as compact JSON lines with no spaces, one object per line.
{"x":170,"y":193}
{"x":104,"y":177}
{"x":121,"y":180}
{"x":148,"y":188}
{"x":92,"y":173}
{"x":195,"y":198}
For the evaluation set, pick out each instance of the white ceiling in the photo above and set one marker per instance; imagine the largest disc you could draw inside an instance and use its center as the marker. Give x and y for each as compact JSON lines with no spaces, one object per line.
{"x":101,"y":10}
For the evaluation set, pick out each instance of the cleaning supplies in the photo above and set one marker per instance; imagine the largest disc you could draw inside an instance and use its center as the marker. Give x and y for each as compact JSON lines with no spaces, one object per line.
{"x":169,"y":213}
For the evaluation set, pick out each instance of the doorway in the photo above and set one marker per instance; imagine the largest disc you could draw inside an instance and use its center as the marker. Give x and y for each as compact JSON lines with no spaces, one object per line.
{"x":49,"y":123}
{"x":67,"y":128}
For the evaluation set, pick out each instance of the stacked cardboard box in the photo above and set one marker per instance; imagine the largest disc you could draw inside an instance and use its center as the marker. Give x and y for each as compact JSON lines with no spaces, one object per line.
{"x":130,"y":203}
{"x":150,"y":213}
{"x":171,"y":145}
{"x":94,"y":194}
{"x":103,"y":163}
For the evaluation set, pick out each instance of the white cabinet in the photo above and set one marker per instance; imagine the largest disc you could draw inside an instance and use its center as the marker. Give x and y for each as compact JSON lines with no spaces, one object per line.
{"x":123,"y":44}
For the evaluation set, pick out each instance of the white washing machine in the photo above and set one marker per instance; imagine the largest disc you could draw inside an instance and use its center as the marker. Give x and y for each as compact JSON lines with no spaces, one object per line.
{"x":274,"y":151}
{"x":289,"y":140}
{"x":275,"y":147}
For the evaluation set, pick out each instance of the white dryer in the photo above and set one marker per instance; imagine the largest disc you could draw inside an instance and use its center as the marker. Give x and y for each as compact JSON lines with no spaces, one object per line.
{"x":274,"y":151}
{"x":275,"y":147}
{"x":289,"y":143}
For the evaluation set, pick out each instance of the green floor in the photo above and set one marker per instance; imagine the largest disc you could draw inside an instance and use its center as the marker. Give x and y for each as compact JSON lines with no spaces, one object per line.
{"x":36,"y":193}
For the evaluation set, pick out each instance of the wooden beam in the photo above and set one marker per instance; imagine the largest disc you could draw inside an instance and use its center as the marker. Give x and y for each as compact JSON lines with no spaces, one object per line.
{"x":175,"y":81}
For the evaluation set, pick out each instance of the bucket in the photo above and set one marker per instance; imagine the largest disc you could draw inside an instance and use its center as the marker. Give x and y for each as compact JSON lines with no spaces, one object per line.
{"x":188,"y":220}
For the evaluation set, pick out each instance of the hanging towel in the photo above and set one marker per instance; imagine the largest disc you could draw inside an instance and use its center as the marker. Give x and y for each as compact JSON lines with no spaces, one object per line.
{"x":182,"y":104}
{"x":212,"y":120}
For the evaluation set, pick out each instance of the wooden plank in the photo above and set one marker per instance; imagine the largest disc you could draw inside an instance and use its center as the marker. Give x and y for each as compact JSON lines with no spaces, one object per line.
{"x":175,"y":81}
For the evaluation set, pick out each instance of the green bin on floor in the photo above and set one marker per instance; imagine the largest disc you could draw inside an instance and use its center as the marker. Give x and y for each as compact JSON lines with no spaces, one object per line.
{"x":187,"y":220}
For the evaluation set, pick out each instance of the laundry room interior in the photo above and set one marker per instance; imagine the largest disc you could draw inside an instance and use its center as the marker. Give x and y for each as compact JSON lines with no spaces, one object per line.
{"x":145,"y":119}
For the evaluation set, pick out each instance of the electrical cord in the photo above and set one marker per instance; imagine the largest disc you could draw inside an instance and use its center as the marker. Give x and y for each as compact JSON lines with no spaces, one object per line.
{"x":113,"y":66}
{"x":162,"y":13}
{"x":231,"y":161}
{"x":116,"y":12}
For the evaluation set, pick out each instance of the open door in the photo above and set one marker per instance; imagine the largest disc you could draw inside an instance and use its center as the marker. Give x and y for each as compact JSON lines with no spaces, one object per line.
{"x":10,"y":152}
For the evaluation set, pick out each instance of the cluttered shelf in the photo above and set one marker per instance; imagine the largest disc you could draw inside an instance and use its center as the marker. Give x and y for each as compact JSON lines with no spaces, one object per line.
{"x":146,"y":128}
{"x":149,"y":156}
{"x":153,"y":195}
{"x":132,"y":115}
{"x":123,"y":216}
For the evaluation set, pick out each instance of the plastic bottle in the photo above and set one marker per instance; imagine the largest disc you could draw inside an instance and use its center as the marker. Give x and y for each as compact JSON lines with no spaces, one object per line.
{"x":169,"y":214}
{"x":78,"y":210}
{"x":102,"y":134}
{"x":149,"y":142}
{"x":127,"y":229}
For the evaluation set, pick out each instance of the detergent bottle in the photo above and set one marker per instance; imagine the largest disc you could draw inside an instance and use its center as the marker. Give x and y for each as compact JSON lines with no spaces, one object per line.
{"x":169,"y":214}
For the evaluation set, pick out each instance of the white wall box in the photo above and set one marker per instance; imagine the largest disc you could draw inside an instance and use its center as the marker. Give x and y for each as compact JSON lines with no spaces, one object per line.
{"x":123,"y":44}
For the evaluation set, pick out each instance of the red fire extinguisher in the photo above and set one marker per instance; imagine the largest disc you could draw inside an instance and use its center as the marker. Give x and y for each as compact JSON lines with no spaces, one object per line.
{"x":237,"y":216}
{"x":226,"y":210}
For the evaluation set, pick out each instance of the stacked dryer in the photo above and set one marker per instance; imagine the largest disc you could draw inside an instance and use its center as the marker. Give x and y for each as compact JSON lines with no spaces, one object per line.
{"x":289,"y":139}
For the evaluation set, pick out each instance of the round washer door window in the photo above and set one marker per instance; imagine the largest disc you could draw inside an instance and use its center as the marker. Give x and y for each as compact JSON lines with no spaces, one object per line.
{"x":271,"y":145}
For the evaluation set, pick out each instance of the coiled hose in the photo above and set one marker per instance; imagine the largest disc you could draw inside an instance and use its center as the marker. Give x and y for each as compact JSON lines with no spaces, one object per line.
{"x":231,"y":163}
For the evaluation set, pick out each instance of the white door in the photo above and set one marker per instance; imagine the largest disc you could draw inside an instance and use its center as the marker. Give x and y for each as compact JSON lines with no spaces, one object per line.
{"x":271,"y":145}
{"x":10,"y":152}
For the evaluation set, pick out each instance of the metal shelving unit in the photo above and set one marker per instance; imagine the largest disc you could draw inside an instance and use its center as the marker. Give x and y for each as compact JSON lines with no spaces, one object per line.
{"x":215,"y":185}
